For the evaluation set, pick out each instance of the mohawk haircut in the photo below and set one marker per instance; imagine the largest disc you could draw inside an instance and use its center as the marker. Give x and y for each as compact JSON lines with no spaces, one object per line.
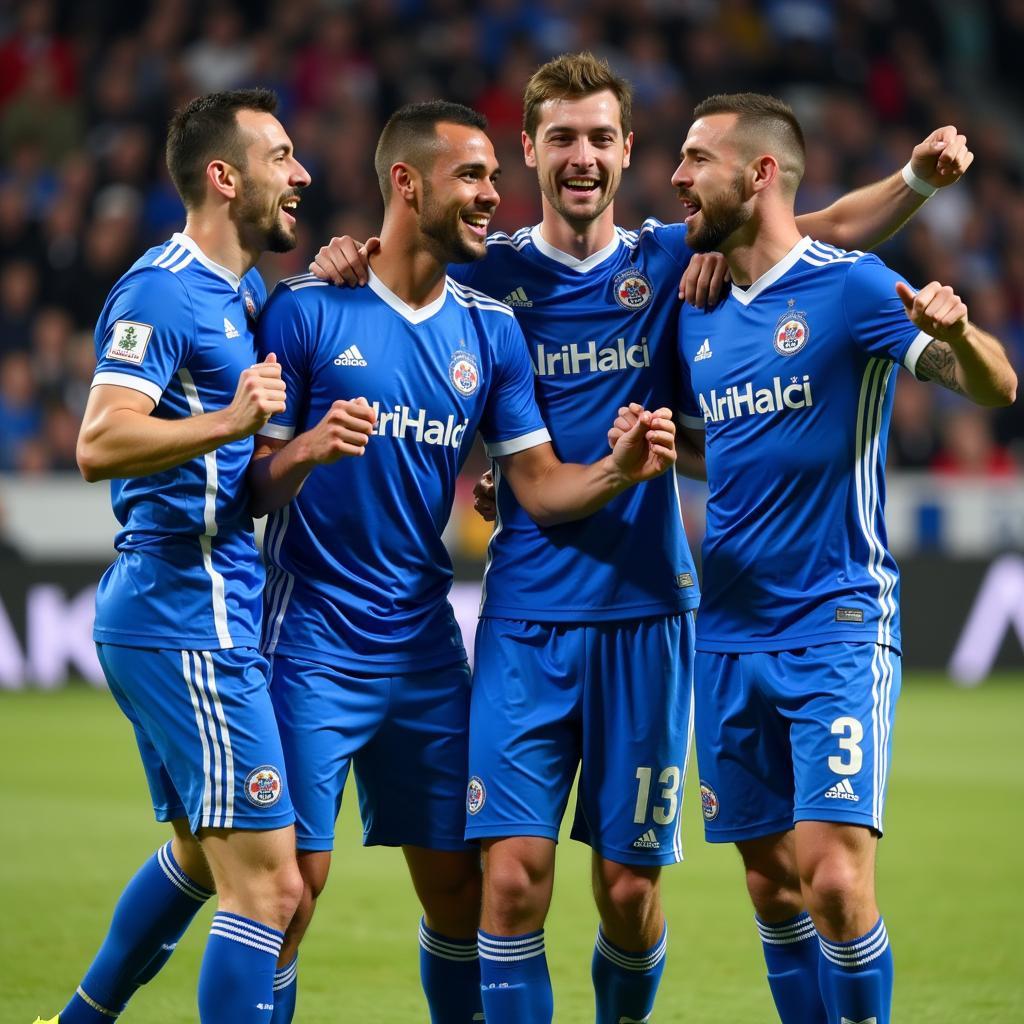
{"x":410,"y":137}
{"x":573,"y":76}
{"x":207,"y":129}
{"x":763,"y":124}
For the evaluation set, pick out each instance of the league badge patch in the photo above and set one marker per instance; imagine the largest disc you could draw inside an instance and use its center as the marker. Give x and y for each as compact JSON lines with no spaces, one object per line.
{"x":632,"y":290}
{"x":709,"y":804}
{"x":263,"y":786}
{"x":129,"y":341}
{"x":464,"y":372}
{"x":476,"y":794}
{"x":791,"y":332}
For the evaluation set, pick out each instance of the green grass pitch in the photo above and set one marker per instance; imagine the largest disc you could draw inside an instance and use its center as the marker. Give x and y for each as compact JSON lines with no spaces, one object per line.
{"x":77,"y":822}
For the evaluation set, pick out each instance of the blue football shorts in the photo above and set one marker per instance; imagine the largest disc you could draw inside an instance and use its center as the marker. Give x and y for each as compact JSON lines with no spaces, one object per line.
{"x":612,"y":699}
{"x":406,"y":736}
{"x":788,"y":736}
{"x":206,"y":732}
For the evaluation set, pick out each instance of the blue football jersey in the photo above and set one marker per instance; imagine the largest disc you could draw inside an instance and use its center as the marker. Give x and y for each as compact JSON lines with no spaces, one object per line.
{"x":601,"y":333}
{"x":179,"y":328}
{"x":358,"y":575}
{"x":792,"y":381}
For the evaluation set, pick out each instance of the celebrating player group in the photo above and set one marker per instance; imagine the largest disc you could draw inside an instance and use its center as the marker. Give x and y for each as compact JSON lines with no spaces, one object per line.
{"x":344,"y":407}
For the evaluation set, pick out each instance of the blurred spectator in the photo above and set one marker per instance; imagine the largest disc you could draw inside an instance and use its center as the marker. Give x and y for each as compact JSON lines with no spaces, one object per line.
{"x":19,"y":286}
{"x":20,"y":415}
{"x":969,"y":446}
{"x":223,"y":56}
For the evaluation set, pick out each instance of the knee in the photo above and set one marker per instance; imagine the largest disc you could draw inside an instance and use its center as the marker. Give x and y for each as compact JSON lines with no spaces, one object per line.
{"x":773,"y":882}
{"x":287,"y":890}
{"x":627,"y":893}
{"x":515,"y":891}
{"x":834,"y":883}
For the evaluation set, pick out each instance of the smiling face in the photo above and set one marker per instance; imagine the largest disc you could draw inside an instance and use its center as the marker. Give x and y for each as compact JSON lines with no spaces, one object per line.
{"x":579,"y":152}
{"x":459,"y":197}
{"x":271,"y":183}
{"x":710,"y":183}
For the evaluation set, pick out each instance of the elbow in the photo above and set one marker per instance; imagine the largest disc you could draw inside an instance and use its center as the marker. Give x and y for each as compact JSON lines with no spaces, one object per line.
{"x":89,"y":464}
{"x":1003,"y":394}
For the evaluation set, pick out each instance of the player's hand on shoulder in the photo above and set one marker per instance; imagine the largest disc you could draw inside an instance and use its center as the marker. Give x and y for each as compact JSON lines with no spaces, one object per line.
{"x":942,"y":158}
{"x":936,"y":309}
{"x":345,"y":430}
{"x":647,"y":447}
{"x":344,"y":261}
{"x":260,"y":394}
{"x":704,"y":281}
{"x":484,"y":502}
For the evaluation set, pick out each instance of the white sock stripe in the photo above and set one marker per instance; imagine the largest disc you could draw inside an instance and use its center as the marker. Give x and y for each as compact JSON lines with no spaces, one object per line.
{"x":859,"y":953}
{"x":510,"y":950}
{"x":263,"y":930}
{"x":284,"y":977}
{"x":178,"y":877}
{"x":630,"y":961}
{"x":447,"y":949}
{"x":865,"y":940}
{"x":798,"y":931}
{"x":248,"y":932}
{"x":90,"y":1002}
{"x":244,"y":940}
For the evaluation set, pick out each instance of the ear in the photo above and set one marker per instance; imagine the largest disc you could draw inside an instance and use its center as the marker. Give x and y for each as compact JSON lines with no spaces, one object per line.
{"x":627,"y":149}
{"x":529,"y":151}
{"x":762,"y":172}
{"x":405,"y":181}
{"x":224,"y":178}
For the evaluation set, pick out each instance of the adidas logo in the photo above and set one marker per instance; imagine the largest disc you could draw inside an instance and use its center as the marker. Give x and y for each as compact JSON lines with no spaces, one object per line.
{"x":230,"y":330}
{"x":648,"y":841}
{"x":842,"y":791}
{"x":350,"y":357}
{"x":704,"y":352}
{"x":517,"y":297}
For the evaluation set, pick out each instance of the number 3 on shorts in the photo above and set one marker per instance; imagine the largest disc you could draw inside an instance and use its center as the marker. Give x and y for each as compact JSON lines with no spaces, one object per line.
{"x":663,"y":814}
{"x":850,"y":733}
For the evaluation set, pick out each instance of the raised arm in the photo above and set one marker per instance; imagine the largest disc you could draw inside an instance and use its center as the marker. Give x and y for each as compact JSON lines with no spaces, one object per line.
{"x":555,"y":492}
{"x":120,"y":439}
{"x":961,"y":356}
{"x":868,"y":216}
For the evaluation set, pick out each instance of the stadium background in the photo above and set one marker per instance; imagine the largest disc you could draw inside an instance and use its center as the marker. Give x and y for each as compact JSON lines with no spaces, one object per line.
{"x":85,"y":92}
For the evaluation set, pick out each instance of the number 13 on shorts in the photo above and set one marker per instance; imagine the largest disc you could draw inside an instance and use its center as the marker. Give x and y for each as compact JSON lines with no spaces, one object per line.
{"x":663,"y":806}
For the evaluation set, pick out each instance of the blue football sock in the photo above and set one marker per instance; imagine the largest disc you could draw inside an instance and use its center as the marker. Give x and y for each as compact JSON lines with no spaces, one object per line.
{"x":154,"y":910}
{"x":286,"y":989}
{"x":856,"y":978}
{"x":791,"y":953}
{"x":625,"y":983}
{"x":236,"y":981}
{"x":450,"y":975}
{"x":514,"y":979}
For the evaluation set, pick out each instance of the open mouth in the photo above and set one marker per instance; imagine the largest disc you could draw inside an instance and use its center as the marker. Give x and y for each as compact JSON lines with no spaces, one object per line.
{"x":581,"y":186}
{"x":288,"y":208}
{"x":690,"y":208}
{"x":477,"y":223}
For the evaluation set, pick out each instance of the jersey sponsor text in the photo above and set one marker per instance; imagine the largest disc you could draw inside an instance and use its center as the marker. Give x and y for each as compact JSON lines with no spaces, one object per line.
{"x":588,"y":358}
{"x":743,"y":400}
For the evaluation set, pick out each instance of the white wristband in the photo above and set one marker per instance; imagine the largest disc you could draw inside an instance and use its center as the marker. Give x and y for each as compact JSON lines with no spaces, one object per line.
{"x":919,"y":185}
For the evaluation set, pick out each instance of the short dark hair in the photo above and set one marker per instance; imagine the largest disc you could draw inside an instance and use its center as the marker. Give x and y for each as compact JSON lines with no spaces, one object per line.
{"x":410,"y":136}
{"x":574,"y":76}
{"x":206,"y":129}
{"x":763,"y":122}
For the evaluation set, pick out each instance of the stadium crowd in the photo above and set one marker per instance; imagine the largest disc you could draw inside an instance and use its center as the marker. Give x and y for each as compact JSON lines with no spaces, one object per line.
{"x":86,"y":90}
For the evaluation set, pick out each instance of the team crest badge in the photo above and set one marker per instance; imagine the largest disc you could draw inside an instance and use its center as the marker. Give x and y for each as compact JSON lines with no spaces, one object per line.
{"x":250,"y":304}
{"x":263,"y":786}
{"x":476,"y":794}
{"x":791,"y":332}
{"x":464,"y":372}
{"x":632,"y":290}
{"x":709,"y":804}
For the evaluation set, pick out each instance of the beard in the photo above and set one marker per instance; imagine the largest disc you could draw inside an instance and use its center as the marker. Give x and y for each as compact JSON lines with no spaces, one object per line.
{"x":554,"y":197}
{"x":444,"y":232}
{"x":721,"y":217}
{"x":253,"y":216}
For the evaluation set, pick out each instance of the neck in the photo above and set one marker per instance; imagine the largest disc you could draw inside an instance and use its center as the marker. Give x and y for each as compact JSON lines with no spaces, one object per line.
{"x":756,"y":247}
{"x":577,"y":238}
{"x":218,"y":237}
{"x":406,"y":265}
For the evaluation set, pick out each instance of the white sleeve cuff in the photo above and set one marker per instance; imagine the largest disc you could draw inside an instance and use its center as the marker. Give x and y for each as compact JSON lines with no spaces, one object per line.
{"x":517,"y":444}
{"x":278,"y":431}
{"x":149,"y":388}
{"x":693,"y":422}
{"x":917,"y":346}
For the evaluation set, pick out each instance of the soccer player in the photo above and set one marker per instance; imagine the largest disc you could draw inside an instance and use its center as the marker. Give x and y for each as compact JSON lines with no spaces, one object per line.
{"x":176,"y":399}
{"x":368,"y":665}
{"x":790,"y":382}
{"x":589,"y":625}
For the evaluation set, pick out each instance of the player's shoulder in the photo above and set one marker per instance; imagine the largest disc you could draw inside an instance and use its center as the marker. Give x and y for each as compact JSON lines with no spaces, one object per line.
{"x":503,"y":243}
{"x":822,"y":255}
{"x":151,"y":288}
{"x":655,"y":239}
{"x":473,"y":299}
{"x":300,"y":291}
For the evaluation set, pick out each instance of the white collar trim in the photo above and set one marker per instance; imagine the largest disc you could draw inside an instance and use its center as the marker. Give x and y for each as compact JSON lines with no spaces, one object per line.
{"x":572,"y":262}
{"x":746,"y":296}
{"x":403,"y":309}
{"x":215,"y":268}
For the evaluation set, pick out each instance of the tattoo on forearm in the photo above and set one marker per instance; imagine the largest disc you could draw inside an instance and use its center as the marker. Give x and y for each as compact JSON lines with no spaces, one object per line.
{"x":938,"y":363}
